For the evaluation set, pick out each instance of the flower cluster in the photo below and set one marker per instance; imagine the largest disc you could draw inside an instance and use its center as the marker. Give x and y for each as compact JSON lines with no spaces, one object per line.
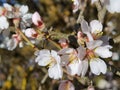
{"x":23,"y":21}
{"x":92,"y":47}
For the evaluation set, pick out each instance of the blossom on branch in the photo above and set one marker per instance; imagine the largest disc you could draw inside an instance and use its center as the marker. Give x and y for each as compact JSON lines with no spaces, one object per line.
{"x":52,"y":60}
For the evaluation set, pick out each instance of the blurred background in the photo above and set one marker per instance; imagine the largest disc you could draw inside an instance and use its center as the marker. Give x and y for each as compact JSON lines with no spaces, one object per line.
{"x":18,"y":70}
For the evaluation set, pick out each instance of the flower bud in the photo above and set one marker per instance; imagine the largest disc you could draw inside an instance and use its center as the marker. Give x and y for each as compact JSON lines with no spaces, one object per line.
{"x":36,"y":19}
{"x":31,"y":33}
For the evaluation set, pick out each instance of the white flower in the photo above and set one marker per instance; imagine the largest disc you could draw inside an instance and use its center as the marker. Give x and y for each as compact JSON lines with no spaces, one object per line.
{"x":103,"y":51}
{"x":3,"y":22}
{"x":66,"y":85}
{"x":23,"y":9}
{"x":72,"y":60}
{"x":92,"y":30}
{"x":51,"y":59}
{"x":31,"y":33}
{"x":8,"y":6}
{"x":97,"y":66}
{"x":113,"y":6}
{"x":96,"y":26}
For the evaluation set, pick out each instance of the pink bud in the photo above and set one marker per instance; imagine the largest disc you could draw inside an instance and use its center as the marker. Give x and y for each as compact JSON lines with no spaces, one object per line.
{"x":66,"y":85}
{"x":31,"y":33}
{"x":63,"y":43}
{"x":36,"y":19}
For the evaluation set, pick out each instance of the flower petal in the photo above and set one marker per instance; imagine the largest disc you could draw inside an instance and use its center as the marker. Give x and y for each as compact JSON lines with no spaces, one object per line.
{"x":94,"y":66}
{"x":74,"y":67}
{"x":96,"y":26}
{"x":23,"y":9}
{"x":81,"y":52}
{"x":102,"y":66}
{"x":94,"y":44}
{"x":3,"y":22}
{"x":43,"y":60}
{"x":66,"y":51}
{"x":55,"y":72}
{"x":84,"y":26}
{"x":85,"y":67}
{"x":103,"y":51}
{"x":55,"y":55}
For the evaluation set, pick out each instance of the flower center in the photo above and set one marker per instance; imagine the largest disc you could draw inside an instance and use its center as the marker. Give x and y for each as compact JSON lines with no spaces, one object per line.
{"x":90,"y":54}
{"x":52,"y":61}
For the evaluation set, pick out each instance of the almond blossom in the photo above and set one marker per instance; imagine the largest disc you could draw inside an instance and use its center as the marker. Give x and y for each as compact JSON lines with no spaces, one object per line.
{"x":95,"y":48}
{"x":93,"y":31}
{"x":52,"y":60}
{"x":73,"y":61}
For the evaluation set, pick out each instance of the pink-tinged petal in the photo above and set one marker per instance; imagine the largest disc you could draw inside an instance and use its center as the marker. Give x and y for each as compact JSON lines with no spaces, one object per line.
{"x":94,"y":44}
{"x":36,"y":19}
{"x":102,"y":66}
{"x":81,"y":52}
{"x":64,"y":60}
{"x":66,"y":85}
{"x":103,"y":51}
{"x":31,"y":33}
{"x":96,"y":26}
{"x":55,"y":72}
{"x":84,"y":26}
{"x":94,"y":66}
